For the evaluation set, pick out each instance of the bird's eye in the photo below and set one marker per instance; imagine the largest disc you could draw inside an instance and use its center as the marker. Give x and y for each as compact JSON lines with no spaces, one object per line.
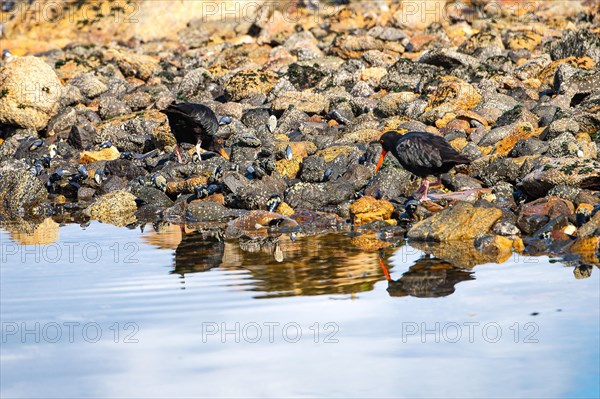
{"x":219,"y":141}
{"x":381,"y":141}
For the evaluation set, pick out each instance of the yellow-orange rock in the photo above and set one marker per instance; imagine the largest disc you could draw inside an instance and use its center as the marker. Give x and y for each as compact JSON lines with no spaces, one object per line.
{"x":105,"y":154}
{"x":369,"y":242}
{"x":115,"y":208}
{"x":522,"y":131}
{"x":185,"y":186}
{"x":331,"y":153}
{"x":462,"y":221}
{"x":43,"y":234}
{"x":288,"y":167}
{"x":285,"y":210}
{"x":455,"y":94}
{"x":248,"y":82}
{"x":368,"y":209}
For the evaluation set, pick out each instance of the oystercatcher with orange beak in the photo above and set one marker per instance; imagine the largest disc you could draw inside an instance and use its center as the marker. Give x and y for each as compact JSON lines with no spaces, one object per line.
{"x":422,"y":154}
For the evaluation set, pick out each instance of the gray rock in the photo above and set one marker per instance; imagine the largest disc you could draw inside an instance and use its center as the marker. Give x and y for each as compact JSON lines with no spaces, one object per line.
{"x":565,"y":145}
{"x":505,"y":228}
{"x":518,"y":114}
{"x":530,"y":146}
{"x":392,"y":182}
{"x":559,"y":127}
{"x":504,"y":169}
{"x":251,"y":194}
{"x":577,"y":43}
{"x":565,"y":192}
{"x":89,"y":85}
{"x":318,"y":196}
{"x":313,"y":169}
{"x":110,"y":106}
{"x":152,"y":196}
{"x":460,"y":182}
{"x":21,"y":193}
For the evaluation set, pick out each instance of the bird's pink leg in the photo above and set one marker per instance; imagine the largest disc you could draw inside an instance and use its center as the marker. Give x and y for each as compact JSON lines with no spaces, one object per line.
{"x":424,"y":189}
{"x":198,"y":151}
{"x":178,"y":152}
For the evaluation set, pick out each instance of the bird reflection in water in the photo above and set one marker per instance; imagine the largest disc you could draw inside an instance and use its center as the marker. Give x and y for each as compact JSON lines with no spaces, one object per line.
{"x":199,"y":252}
{"x":427,"y":278}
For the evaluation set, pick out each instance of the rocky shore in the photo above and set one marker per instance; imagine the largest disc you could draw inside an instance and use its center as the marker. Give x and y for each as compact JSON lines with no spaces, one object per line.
{"x":301,"y":100}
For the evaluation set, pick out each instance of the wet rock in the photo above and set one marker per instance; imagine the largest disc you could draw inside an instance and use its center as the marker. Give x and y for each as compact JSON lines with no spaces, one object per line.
{"x":318,"y":196}
{"x":462,"y":221}
{"x":152,"y":196}
{"x":550,"y":172}
{"x":115,"y":208}
{"x":534,"y":215}
{"x":252,"y":194}
{"x":21,"y":193}
{"x":29,"y":93}
{"x":208,"y":211}
{"x":591,"y":228}
{"x":497,"y":246}
{"x":253,"y":222}
{"x":368,"y":209}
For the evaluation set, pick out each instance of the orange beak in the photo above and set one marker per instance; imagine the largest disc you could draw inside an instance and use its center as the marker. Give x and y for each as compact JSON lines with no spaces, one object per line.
{"x":381,"y":158}
{"x":224,"y":153}
{"x":386,"y":272}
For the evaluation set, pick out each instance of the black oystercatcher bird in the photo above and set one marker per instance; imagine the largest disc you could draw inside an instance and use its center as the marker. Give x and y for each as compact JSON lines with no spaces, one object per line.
{"x":422,"y":154}
{"x":195,"y":124}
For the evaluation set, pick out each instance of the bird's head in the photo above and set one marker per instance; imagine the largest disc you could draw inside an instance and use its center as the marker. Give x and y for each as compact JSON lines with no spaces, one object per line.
{"x":215,"y":144}
{"x":388,"y":141}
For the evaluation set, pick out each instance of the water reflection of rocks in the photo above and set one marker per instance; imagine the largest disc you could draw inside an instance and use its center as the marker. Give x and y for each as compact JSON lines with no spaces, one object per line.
{"x":279,"y":265}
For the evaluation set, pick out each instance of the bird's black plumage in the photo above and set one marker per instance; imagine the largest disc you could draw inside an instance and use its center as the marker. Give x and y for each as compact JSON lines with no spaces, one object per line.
{"x":423,"y":154}
{"x":191,"y":123}
{"x":195,"y":124}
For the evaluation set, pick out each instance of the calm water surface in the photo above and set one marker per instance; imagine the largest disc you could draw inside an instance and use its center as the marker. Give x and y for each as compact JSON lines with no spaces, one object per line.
{"x":106,"y":311}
